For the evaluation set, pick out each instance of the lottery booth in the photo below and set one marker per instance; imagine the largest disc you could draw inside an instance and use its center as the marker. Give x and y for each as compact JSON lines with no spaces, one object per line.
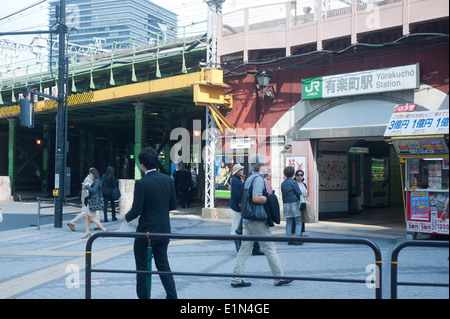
{"x":421,"y":141}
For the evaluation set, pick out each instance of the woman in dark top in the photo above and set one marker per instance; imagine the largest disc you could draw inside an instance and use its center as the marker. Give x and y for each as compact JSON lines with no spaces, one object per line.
{"x":291,"y":193}
{"x":108,"y":184}
{"x":94,"y":194}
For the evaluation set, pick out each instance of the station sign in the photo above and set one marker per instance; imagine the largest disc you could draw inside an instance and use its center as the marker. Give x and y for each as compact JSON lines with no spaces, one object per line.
{"x":358,"y":150}
{"x":363,"y":82}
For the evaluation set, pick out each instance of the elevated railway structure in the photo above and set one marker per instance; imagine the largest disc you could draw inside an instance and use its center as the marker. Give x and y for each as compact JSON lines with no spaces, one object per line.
{"x":125,"y":99}
{"x":118,"y":102}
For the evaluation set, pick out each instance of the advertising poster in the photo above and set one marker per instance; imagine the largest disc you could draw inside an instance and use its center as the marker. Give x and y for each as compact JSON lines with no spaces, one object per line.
{"x":297,"y":161}
{"x":419,"y":206}
{"x":437,"y":205}
{"x":224,"y":168}
{"x":332,"y":172}
{"x":414,"y":166}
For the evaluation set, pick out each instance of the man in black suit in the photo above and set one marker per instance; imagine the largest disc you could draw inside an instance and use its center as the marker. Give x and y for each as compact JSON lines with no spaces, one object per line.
{"x":154,"y":197}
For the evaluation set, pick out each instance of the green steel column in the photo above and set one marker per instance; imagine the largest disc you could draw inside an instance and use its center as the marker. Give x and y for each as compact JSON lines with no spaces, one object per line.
{"x":138,"y":127}
{"x":45,"y":158}
{"x":11,"y":146}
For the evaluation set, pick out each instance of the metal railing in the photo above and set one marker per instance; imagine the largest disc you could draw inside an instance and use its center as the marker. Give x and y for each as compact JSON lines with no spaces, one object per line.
{"x":394,"y":264}
{"x":354,"y":241}
{"x":52,"y":200}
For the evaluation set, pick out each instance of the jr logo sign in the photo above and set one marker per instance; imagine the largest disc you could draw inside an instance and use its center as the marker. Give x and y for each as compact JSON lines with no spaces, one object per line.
{"x":312,"y":88}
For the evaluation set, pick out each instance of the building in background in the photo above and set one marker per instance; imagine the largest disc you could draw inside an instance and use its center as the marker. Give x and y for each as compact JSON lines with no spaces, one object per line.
{"x":100,"y":22}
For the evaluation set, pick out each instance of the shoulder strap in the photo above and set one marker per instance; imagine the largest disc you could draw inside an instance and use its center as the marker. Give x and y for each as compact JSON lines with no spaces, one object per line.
{"x":251,"y":185}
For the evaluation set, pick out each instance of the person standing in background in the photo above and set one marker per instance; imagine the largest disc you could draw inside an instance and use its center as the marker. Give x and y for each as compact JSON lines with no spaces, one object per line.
{"x":291,"y":194}
{"x":300,"y":178}
{"x":109,"y":181}
{"x":185,"y":182}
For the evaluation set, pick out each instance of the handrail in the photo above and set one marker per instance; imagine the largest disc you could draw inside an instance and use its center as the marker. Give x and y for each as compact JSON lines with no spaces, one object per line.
{"x":394,"y":264}
{"x":40,"y":199}
{"x":357,"y":241}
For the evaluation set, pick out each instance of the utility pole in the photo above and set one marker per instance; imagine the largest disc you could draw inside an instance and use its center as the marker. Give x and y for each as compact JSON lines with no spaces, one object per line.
{"x":214,"y":8}
{"x":61,"y":121}
{"x":61,"y":127}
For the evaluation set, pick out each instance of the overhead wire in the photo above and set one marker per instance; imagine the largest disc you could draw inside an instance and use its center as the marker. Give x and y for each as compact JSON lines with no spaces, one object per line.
{"x":23,"y":9}
{"x":330,"y":53}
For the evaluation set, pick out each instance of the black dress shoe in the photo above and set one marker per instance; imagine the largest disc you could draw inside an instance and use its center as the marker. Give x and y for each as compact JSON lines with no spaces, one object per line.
{"x":283,"y":282}
{"x":258,"y":253}
{"x":241,"y":284}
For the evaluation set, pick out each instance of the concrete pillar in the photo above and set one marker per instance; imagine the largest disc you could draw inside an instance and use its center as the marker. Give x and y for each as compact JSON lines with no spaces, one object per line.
{"x":126,"y":187}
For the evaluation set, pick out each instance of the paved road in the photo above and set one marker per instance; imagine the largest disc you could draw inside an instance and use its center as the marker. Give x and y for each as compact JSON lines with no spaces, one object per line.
{"x":49,"y":264}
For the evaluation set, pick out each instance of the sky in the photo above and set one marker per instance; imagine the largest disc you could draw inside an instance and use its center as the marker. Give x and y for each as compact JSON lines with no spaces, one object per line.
{"x":188,"y":10}
{"x":36,"y":18}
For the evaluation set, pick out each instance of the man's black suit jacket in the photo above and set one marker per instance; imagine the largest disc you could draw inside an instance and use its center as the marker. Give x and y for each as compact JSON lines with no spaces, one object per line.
{"x":154,"y":197}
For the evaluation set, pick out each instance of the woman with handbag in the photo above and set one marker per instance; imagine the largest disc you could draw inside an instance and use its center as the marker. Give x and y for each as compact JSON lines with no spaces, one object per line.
{"x":291,"y":195}
{"x":95,"y":202}
{"x":300,"y":178}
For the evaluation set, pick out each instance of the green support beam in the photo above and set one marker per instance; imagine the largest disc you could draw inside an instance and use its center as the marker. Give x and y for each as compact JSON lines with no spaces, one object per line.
{"x":138,"y":129}
{"x":11,"y":147}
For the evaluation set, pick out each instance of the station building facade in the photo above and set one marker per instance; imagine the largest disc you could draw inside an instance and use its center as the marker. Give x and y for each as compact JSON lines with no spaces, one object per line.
{"x":326,"y":112}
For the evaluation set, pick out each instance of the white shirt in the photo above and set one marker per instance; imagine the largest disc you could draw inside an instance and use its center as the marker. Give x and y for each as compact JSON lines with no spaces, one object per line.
{"x":303,"y":189}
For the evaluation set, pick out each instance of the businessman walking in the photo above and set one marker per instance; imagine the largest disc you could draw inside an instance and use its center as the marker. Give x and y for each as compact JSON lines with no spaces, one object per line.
{"x":154,"y":197}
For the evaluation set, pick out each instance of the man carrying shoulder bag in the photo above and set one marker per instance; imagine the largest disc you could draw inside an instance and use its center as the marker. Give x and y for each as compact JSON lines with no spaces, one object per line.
{"x":256,"y":226}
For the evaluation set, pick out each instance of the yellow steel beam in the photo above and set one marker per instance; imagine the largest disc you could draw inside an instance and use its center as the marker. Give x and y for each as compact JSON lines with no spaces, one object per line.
{"x":219,"y":118}
{"x":207,"y":85}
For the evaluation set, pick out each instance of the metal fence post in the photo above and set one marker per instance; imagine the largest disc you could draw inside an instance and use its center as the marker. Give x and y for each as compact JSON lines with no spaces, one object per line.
{"x":88,"y":267}
{"x":394,"y":263}
{"x":39,"y":214}
{"x":355,"y":241}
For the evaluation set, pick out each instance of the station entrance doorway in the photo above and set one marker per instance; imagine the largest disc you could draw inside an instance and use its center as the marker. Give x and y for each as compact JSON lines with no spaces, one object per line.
{"x":359,"y":177}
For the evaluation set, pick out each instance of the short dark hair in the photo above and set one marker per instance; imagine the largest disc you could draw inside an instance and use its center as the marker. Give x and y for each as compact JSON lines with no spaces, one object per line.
{"x":299,"y":171}
{"x":288,"y":171}
{"x":149,"y":158}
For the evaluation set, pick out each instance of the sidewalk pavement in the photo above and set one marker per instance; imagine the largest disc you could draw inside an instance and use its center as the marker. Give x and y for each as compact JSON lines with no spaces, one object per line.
{"x":50,"y":263}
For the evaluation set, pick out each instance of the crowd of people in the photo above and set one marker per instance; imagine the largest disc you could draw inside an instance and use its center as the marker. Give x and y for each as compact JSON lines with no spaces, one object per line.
{"x":155,"y":196}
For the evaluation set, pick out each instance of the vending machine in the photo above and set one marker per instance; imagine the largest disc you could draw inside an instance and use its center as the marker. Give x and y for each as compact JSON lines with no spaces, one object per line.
{"x":376,"y":177}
